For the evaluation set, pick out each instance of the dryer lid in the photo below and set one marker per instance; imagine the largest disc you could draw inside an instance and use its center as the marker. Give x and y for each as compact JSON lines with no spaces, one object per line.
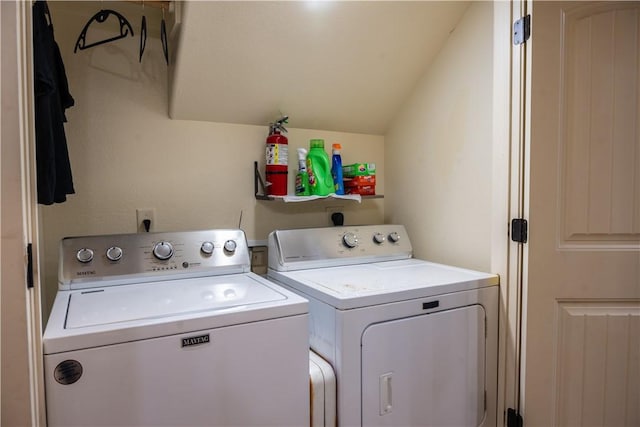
{"x":352,"y":286}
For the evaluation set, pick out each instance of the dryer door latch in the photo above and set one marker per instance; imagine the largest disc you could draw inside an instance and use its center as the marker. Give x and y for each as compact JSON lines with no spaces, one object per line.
{"x":386,"y":393}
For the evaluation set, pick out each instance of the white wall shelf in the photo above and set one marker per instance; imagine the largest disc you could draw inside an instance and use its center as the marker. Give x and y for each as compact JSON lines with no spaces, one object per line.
{"x":259,"y":190}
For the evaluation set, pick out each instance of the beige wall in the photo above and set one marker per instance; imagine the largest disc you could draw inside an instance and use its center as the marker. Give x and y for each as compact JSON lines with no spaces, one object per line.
{"x":126,"y":154}
{"x":438,"y":150}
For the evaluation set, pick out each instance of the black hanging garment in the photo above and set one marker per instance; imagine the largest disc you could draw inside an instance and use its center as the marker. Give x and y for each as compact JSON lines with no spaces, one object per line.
{"x":52,"y":97}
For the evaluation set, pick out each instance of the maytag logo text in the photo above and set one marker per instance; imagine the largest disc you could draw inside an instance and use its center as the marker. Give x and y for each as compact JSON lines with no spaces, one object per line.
{"x":200,"y":339}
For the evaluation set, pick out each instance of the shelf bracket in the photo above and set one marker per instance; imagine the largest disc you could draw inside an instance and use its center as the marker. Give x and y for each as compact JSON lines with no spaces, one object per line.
{"x":258,"y":184}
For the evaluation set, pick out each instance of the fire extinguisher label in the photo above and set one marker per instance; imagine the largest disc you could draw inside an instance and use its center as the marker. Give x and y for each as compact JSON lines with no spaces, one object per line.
{"x":277,"y":154}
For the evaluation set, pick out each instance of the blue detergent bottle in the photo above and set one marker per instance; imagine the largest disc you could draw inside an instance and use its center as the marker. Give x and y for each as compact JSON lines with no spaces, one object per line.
{"x":336,"y":169}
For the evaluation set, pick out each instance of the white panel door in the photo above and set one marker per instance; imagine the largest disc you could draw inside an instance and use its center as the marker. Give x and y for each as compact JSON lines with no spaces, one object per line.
{"x":425,"y":370}
{"x":582,"y":261}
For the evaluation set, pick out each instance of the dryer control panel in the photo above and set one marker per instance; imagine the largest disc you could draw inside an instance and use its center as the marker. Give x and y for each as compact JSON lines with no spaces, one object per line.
{"x":334,"y":246}
{"x":93,"y":261}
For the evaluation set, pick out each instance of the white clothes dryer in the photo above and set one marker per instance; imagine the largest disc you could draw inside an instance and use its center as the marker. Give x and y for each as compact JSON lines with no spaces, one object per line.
{"x":413,"y":343}
{"x":168,"y":329}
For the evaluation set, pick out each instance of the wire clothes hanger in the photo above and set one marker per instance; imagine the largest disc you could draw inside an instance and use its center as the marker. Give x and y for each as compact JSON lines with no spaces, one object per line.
{"x":143,"y":33}
{"x":100,"y":17}
{"x":47,"y":13}
{"x":163,"y":38}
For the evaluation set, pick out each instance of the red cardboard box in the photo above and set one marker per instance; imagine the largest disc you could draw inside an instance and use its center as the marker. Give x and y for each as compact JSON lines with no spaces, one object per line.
{"x":363,"y":190}
{"x":360,"y":181}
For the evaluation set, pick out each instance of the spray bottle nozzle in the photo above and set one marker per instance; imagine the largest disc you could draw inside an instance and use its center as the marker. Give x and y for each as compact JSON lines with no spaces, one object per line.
{"x":302,"y":159}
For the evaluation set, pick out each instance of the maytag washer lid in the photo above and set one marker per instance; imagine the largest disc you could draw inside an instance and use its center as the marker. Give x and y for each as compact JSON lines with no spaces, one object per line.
{"x":161,"y":299}
{"x":96,"y":317}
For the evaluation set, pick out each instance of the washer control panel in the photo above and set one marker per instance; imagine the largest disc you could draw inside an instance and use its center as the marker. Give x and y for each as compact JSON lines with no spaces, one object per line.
{"x":131,"y":258}
{"x":334,"y":246}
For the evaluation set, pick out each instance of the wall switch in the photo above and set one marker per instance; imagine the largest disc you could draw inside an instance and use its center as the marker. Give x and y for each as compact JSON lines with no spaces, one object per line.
{"x":143,"y":217}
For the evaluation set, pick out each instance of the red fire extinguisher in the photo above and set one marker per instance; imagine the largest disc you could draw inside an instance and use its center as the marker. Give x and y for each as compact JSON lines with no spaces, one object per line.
{"x":277,"y":168}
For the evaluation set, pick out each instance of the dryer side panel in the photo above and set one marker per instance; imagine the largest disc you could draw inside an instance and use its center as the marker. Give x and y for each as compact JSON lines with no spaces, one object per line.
{"x":425,"y":370}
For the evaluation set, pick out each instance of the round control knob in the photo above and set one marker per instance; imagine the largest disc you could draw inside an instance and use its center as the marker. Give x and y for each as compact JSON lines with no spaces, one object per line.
{"x":114,"y":253}
{"x":350,"y":240}
{"x":207,"y":248}
{"x":379,"y":238}
{"x":84,"y":255}
{"x":394,"y":237}
{"x":163,"y":250}
{"x":230,"y":246}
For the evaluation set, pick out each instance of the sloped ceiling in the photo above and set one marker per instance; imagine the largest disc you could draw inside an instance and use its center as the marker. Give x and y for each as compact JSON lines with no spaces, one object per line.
{"x":332,"y":65}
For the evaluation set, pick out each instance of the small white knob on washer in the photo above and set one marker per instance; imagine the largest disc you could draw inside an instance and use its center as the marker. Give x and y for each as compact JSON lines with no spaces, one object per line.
{"x":230,"y":245}
{"x":350,"y":240}
{"x":84,"y":255}
{"x":114,"y":253}
{"x":379,"y":238}
{"x":163,"y":250}
{"x":394,"y":237}
{"x":207,"y":248}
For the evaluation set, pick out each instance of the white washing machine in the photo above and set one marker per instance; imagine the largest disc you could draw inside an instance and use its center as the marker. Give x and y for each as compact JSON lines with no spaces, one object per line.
{"x":413,"y":343}
{"x":173,"y":329}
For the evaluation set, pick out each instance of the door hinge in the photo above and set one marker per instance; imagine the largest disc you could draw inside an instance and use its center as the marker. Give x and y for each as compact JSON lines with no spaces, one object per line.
{"x":519,"y":230}
{"x":29,"y":266}
{"x":522,"y":30}
{"x":514,"y":419}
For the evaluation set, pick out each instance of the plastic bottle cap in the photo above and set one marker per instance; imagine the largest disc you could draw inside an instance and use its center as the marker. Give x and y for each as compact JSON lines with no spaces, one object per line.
{"x":336,"y":146}
{"x":317,"y":143}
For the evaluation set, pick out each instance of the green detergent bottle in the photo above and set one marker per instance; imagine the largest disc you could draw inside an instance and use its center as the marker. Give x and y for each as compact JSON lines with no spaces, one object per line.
{"x":319,"y":169}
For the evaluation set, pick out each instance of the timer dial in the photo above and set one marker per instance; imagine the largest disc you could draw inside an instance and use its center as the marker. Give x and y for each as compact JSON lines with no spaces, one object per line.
{"x":114,"y":253}
{"x":163,"y":250}
{"x":230,"y":245}
{"x":394,"y":237}
{"x":207,"y":248}
{"x":84,"y":255}
{"x":350,"y":240}
{"x":379,"y":238}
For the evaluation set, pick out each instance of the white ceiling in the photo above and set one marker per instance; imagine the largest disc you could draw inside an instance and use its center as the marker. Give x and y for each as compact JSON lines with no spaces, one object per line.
{"x":331,"y":65}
